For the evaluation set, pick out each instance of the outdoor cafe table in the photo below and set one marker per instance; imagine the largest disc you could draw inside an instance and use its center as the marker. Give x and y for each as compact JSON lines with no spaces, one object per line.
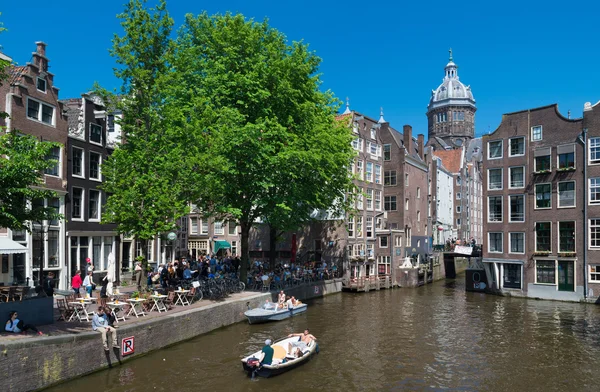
{"x":114,"y":308}
{"x":136,"y":307}
{"x":80,"y":310}
{"x":181,"y":297}
{"x":159,"y":302}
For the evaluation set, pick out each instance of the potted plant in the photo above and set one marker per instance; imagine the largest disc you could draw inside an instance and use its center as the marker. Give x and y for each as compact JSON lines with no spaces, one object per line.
{"x":541,"y":253}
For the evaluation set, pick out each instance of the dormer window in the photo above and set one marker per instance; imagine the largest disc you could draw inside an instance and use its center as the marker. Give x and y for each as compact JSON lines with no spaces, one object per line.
{"x":41,"y":85}
{"x":95,"y":133}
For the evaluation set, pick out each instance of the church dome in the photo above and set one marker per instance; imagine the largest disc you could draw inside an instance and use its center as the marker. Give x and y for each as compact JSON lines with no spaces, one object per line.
{"x":452,"y":91}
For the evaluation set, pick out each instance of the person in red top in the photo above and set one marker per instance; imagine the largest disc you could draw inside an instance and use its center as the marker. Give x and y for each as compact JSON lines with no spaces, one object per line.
{"x":76,"y":282}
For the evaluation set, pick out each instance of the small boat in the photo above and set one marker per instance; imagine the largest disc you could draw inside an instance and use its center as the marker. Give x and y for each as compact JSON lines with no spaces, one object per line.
{"x":263,"y":314}
{"x":282,"y":359}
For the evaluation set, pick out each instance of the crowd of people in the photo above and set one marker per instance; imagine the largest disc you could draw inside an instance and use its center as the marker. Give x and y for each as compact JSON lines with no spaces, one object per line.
{"x":283,"y":274}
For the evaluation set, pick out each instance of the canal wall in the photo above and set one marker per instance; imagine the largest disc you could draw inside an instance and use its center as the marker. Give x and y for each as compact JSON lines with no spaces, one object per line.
{"x":37,"y":363}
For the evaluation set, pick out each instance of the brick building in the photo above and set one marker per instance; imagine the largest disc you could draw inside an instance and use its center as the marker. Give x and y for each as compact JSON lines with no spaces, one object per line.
{"x":31,"y":100}
{"x":533,"y":226}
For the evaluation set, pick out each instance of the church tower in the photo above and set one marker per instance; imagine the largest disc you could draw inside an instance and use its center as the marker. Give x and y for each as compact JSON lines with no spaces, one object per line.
{"x":451,"y":111}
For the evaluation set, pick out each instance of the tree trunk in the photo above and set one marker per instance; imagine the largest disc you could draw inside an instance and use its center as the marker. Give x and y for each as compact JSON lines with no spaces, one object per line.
{"x":272,"y":245}
{"x":245,"y":226}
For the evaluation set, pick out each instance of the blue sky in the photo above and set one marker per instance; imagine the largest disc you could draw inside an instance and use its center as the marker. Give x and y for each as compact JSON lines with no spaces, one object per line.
{"x":514,"y":54}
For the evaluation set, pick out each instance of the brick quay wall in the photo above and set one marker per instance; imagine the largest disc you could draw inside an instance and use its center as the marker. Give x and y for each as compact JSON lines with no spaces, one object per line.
{"x":37,"y":363}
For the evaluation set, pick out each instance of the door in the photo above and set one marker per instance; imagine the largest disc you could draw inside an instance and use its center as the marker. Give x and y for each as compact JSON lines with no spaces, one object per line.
{"x":18,"y":269}
{"x":126,"y":255}
{"x":566,"y":276}
{"x":512,"y":276}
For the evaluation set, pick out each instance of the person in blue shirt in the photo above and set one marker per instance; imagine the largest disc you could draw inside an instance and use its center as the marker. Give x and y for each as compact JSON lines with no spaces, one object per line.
{"x":100,"y":324}
{"x":17,"y":326}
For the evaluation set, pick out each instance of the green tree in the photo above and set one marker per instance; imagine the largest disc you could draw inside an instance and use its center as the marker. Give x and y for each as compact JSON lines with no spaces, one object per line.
{"x":258,"y":110}
{"x":146,"y":177}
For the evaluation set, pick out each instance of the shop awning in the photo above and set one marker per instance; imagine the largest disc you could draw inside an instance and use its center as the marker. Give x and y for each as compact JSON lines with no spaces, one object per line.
{"x":221,"y":245}
{"x":9,"y":247}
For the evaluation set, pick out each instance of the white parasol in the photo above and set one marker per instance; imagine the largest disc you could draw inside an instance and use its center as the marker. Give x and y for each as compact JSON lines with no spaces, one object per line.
{"x":110,"y":273}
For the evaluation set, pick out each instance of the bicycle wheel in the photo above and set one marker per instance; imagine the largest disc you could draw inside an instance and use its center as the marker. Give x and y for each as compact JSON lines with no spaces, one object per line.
{"x":241,"y":287}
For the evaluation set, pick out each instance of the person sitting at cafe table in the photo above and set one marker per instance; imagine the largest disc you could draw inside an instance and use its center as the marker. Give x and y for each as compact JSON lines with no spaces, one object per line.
{"x":100,"y":324}
{"x":17,"y":326}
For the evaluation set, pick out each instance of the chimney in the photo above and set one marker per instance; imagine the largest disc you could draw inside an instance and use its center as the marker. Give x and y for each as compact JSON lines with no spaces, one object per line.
{"x":408,"y":142}
{"x":421,"y":140}
{"x":40,"y":56}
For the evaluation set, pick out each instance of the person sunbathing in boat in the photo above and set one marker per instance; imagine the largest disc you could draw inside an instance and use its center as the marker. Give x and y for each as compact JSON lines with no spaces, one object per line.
{"x":281,"y":298}
{"x":305,"y":339}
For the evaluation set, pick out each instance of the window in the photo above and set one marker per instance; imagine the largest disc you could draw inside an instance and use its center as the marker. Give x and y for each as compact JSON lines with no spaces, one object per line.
{"x":458,"y":209}
{"x":95,"y":133}
{"x":54,"y":155}
{"x":232,"y":226}
{"x":95,"y":161}
{"x":418,"y":215}
{"x":76,"y":203}
{"x":373,"y":133}
{"x":458,"y":222}
{"x":543,"y":195}
{"x":204,"y":226}
{"x":458,"y":180}
{"x":40,"y":111}
{"x":494,"y":179}
{"x":234,"y":248}
{"x":369,"y":172}
{"x":457,"y":195}
{"x":517,"y":146}
{"x":193,"y":225}
{"x":594,"y":143}
{"x":94,"y":205}
{"x":542,"y":237}
{"x":517,"y":242}
{"x":377,"y":174}
{"x":41,"y":84}
{"x":512,"y":276}
{"x":359,"y":226}
{"x":219,"y":229}
{"x":378,"y":200}
{"x":389,"y":177}
{"x":566,"y":236}
{"x":350,"y":226}
{"x":595,"y":273}
{"x":54,"y":203}
{"x":566,"y":157}
{"x":536,"y":133}
{"x":356,"y":143}
{"x":373,"y":149}
{"x":383,"y":241}
{"x":369,"y":227}
{"x":517,"y":208}
{"x":77,"y":162}
{"x":594,"y":229}
{"x":517,"y":177}
{"x":545,"y":271}
{"x":406,"y":179}
{"x":370,"y":249}
{"x":566,"y":194}
{"x":495,"y":242}
{"x":406,"y":204}
{"x":389,"y":203}
{"x":418,"y":192}
{"x":387,"y":152}
{"x":359,"y":169}
{"x":359,"y":199}
{"x":495,"y":209}
{"x":495,"y":149}
{"x":369,"y":199}
{"x":542,"y":163}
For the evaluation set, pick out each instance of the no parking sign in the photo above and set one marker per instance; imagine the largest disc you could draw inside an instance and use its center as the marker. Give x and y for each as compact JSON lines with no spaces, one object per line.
{"x":127,"y":346}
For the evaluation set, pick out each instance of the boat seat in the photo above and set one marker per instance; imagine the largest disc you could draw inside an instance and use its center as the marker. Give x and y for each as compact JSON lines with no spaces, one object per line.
{"x":279,"y":352}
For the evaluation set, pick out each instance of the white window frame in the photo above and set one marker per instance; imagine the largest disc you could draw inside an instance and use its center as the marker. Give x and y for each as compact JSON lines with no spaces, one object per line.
{"x":419,"y":216}
{"x":204,"y":224}
{"x":83,"y":167}
{"x":593,"y":142}
{"x":360,"y":169}
{"x":406,"y":203}
{"x":535,"y":235}
{"x":369,"y":198}
{"x":59,"y":164}
{"x":489,"y":212}
{"x":510,"y":242}
{"x":369,"y":173}
{"x":387,"y":242}
{"x":378,"y":174}
{"x":535,"y":207}
{"x":82,"y":208}
{"x":590,"y":226}
{"x":216,"y":230}
{"x":45,"y":90}
{"x":574,"y":235}
{"x":590,"y":201}
{"x":406,"y":179}
{"x":235,"y":230}
{"x":90,"y":134}
{"x":501,"y":242}
{"x":371,"y":225}
{"x":99,"y":178}
{"x":569,"y":167}
{"x":489,"y":177}
{"x":350,"y":227}
{"x":458,"y":195}
{"x":377,"y":200}
{"x":533,"y":139}
{"x":192,"y":219}
{"x":510,"y":147}
{"x":558,"y":194}
{"x":510,"y":219}
{"x":489,"y":157}
{"x":389,"y":148}
{"x":418,"y":192}
{"x":458,"y":209}
{"x":590,"y":272}
{"x":99,"y":207}
{"x":555,"y":272}
{"x":510,"y":185}
{"x":359,"y":227}
{"x":40,"y":111}
{"x":360,"y":200}
{"x":373,"y":133}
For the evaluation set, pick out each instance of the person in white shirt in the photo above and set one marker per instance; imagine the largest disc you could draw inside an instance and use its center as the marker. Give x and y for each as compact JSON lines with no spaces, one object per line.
{"x":88,"y":283}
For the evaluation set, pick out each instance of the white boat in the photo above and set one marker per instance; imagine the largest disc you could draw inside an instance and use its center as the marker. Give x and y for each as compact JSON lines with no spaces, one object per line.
{"x":269,"y":312}
{"x":283,"y":360}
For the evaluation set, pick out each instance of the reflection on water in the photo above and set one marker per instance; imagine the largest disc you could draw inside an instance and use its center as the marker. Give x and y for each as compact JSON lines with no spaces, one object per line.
{"x":436,"y":337}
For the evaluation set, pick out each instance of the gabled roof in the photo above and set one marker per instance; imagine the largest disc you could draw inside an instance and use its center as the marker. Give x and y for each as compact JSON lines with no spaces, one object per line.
{"x":16,"y":74}
{"x":451,"y":159}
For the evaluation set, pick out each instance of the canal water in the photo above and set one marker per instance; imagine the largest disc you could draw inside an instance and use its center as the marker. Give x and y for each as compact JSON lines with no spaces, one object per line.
{"x":436,"y":337}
